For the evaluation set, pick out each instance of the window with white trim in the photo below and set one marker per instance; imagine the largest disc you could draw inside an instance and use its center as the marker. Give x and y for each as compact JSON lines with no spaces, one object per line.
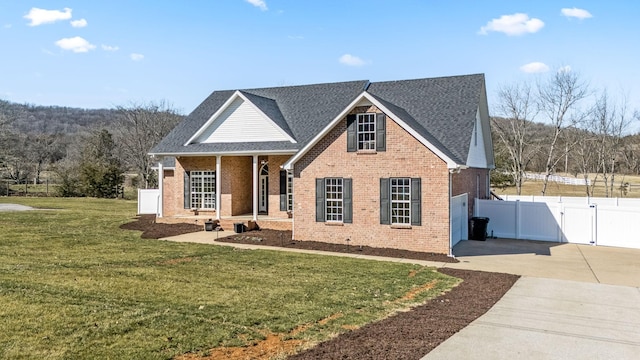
{"x":366,"y":125}
{"x":333,"y":199}
{"x":203,"y":189}
{"x":400,"y":200}
{"x":290,"y":190}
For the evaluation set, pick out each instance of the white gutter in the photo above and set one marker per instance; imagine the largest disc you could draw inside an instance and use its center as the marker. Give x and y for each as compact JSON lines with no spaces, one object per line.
{"x":229,"y":153}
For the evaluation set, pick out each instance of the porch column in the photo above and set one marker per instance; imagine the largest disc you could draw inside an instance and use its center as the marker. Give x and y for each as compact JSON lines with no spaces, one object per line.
{"x":255,"y":187}
{"x":161,"y":188}
{"x":218,"y":186}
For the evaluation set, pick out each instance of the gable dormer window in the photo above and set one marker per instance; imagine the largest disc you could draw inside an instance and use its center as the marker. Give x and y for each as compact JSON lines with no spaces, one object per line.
{"x":366,"y":132}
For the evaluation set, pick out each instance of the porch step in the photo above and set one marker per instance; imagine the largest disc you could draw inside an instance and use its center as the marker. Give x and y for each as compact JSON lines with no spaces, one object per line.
{"x":275,"y":224}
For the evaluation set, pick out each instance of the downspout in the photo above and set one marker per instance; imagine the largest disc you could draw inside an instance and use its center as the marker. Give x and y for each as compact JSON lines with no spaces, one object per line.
{"x":293,"y":206}
{"x":450,"y":229}
{"x":159,"y":209}
{"x":451,"y":172}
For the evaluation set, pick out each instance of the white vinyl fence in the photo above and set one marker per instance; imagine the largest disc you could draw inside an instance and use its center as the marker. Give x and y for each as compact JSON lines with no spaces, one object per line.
{"x":148,"y":201}
{"x":459,"y":218}
{"x":602,"y":221}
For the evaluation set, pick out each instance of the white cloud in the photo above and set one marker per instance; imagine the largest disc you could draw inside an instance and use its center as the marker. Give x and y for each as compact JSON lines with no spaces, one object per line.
{"x":259,"y":4}
{"x":79,"y":23}
{"x":136,"y":57}
{"x":564,"y":69}
{"x":109,"y":47}
{"x":534,"y":67}
{"x":576,"y":13}
{"x":7,"y":26}
{"x":296,"y":37}
{"x":41,"y":16}
{"x":348,"y":59}
{"x":516,"y":24}
{"x":75,"y":44}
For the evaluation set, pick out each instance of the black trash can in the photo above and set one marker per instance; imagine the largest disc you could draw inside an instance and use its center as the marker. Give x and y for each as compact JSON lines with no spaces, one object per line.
{"x":238,"y":228}
{"x":478,"y":228}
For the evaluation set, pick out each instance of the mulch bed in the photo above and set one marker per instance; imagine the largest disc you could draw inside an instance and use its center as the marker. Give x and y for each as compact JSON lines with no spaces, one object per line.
{"x":152,"y":230}
{"x":406,"y":335}
{"x":268,"y":237}
{"x":413,"y":334}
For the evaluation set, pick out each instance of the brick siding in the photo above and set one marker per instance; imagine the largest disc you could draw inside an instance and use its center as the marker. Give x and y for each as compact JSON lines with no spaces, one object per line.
{"x":404,"y":157}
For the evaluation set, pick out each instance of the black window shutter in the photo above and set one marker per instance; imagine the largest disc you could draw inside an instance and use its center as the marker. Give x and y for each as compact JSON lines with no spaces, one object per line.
{"x":352,"y":144}
{"x":187,"y":190}
{"x":283,"y":190}
{"x":320,"y":199}
{"x":416,"y":202}
{"x":347,"y":201}
{"x":385,"y":206}
{"x":381,"y":132}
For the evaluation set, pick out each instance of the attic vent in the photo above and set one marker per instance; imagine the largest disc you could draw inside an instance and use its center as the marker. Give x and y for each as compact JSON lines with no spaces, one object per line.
{"x":366,"y":86}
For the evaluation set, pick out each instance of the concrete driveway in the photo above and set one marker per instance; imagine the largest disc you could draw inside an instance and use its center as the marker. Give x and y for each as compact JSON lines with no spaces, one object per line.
{"x":586,"y":263}
{"x":573,"y":302}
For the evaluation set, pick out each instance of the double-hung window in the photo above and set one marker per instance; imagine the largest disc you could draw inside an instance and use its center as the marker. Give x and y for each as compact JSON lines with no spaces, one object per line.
{"x":334,"y":199}
{"x":203,"y":189}
{"x":400,"y":201}
{"x":366,"y":131}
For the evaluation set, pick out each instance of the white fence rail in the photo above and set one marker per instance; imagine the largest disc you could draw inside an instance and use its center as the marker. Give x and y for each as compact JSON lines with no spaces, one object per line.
{"x":559,"y":179}
{"x":573,"y":220}
{"x":148,"y":201}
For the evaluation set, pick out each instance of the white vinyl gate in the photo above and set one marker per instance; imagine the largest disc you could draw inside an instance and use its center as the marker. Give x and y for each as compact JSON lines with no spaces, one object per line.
{"x":571,"y":220}
{"x":459,"y":218}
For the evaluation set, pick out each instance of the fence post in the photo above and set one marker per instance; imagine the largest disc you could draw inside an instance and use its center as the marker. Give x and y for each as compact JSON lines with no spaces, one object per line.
{"x":594,"y":224}
{"x":517,"y":219}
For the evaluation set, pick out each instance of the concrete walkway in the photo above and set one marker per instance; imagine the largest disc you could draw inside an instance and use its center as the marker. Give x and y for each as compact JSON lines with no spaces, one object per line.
{"x":585,"y":263}
{"x":573,"y":301}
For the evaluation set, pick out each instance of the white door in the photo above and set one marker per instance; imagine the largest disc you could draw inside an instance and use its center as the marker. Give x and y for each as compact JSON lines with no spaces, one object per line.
{"x":263,"y":198}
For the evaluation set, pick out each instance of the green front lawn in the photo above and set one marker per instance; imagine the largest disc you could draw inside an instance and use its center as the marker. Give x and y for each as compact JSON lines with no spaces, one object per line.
{"x":74,"y":285}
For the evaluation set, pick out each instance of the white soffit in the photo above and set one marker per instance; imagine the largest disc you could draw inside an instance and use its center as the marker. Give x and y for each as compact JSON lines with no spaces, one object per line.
{"x":239,"y":121}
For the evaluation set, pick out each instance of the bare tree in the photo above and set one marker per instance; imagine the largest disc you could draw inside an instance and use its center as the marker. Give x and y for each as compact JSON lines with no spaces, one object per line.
{"x":609,"y":120}
{"x":516,"y":104}
{"x":140,"y":127}
{"x":557,"y":100}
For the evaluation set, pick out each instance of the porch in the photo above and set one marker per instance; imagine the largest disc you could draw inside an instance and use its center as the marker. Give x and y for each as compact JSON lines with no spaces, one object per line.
{"x":221,"y":187}
{"x":227,"y":222}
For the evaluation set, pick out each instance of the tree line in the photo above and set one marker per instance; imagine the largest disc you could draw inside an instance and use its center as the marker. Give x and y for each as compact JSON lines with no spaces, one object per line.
{"x":558,"y":123}
{"x":561,"y":124}
{"x":88,"y":151}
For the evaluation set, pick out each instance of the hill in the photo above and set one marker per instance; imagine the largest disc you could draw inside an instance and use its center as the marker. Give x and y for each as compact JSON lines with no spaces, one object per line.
{"x":36,"y":119}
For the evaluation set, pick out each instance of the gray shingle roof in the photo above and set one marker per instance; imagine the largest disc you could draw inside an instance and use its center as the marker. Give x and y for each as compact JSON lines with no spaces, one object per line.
{"x":445,"y":108}
{"x":306,"y":110}
{"x":442,"y":110}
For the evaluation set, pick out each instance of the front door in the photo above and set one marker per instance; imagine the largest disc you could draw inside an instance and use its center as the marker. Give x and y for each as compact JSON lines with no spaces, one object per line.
{"x":263,"y":198}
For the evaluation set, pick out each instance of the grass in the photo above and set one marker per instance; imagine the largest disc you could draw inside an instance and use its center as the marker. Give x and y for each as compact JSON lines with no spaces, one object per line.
{"x":74,"y":285}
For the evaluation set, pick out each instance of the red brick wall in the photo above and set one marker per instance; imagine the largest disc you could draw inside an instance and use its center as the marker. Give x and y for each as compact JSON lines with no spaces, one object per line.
{"x":470,"y":181}
{"x":275,"y":161}
{"x":404,"y":157}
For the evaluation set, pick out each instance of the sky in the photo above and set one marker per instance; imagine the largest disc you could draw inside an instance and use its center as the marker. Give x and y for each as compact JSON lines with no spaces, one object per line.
{"x":103,"y":54}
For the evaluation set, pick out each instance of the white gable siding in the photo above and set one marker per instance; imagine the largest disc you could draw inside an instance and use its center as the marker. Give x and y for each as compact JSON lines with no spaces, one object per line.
{"x":477,"y":155}
{"x":241,"y":122}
